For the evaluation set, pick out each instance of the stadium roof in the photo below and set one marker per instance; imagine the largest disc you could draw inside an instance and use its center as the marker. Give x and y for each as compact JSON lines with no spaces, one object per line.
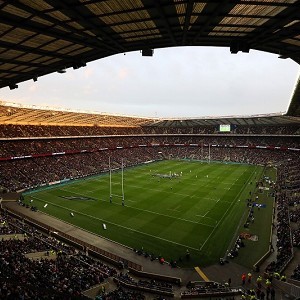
{"x":294,"y":107}
{"x":240,"y":121}
{"x":11,"y":113}
{"x":18,"y":114}
{"x":46,"y":36}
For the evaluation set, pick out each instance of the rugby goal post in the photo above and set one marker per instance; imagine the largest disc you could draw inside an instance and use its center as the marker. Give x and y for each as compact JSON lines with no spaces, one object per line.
{"x":122,"y":183}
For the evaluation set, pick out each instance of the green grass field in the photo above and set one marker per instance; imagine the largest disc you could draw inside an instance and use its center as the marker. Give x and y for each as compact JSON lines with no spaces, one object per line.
{"x":201,"y":211}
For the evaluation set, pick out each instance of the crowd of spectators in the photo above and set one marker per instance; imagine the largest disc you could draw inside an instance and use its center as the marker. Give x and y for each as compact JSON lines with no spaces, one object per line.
{"x":11,"y":130}
{"x":121,"y":293}
{"x":79,"y":157}
{"x":296,"y":273}
{"x":293,"y":187}
{"x":17,"y":174}
{"x":17,"y":148}
{"x":295,"y":224}
{"x":64,"y":276}
{"x":61,"y":271}
{"x":5,"y":229}
{"x":268,"y":130}
{"x":296,"y":237}
{"x":287,"y":199}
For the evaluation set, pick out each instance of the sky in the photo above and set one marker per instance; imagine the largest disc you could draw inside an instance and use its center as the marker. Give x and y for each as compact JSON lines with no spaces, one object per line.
{"x":182,"y":82}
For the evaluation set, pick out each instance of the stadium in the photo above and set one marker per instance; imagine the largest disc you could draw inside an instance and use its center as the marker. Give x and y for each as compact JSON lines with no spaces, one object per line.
{"x":106,"y":206}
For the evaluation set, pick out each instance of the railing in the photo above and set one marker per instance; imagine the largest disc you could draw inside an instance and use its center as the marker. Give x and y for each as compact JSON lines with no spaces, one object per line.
{"x":209,"y":290}
{"x":143,"y":288}
{"x":288,"y":287}
{"x":174,"y":280}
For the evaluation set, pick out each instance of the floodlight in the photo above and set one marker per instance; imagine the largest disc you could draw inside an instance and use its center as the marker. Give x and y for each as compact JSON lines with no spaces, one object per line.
{"x":244,"y":47}
{"x":282,"y":56}
{"x":79,"y":64}
{"x":13,"y":86}
{"x":147,"y":52}
{"x":236,"y":46}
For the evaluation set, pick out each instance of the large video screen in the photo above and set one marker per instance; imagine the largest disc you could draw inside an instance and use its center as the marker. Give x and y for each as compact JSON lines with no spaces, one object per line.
{"x":224,"y":128}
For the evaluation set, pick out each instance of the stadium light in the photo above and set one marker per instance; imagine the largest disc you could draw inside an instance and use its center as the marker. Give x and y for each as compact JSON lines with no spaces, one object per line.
{"x":79,"y":64}
{"x":282,"y":56}
{"x":236,"y":46}
{"x":61,"y":71}
{"x":147,"y":52}
{"x":13,"y":86}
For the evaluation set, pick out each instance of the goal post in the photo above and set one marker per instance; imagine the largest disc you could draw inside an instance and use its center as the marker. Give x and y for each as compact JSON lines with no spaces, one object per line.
{"x":122,"y":183}
{"x":110,"y":190}
{"x":123,"y":198}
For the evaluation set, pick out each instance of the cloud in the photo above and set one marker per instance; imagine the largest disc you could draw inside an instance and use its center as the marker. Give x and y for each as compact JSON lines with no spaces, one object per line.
{"x":33,"y":87}
{"x":88,"y":89}
{"x":123,"y":73}
{"x":183,"y":82}
{"x":88,"y":72}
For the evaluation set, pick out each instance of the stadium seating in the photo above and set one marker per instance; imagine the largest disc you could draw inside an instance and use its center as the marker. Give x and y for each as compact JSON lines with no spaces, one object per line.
{"x":28,"y":163}
{"x":10,"y":130}
{"x":58,"y":271}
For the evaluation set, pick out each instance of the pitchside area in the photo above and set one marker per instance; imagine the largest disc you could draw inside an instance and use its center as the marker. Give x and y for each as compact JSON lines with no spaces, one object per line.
{"x":170,"y":207}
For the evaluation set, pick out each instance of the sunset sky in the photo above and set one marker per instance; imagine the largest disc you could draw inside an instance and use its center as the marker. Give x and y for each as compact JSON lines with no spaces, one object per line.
{"x":175,"y":82}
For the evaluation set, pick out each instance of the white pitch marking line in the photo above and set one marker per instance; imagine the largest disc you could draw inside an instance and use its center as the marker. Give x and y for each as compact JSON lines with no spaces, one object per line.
{"x":134,"y":230}
{"x":211,"y":199}
{"x":202,"y":216}
{"x":174,"y":209}
{"x":146,"y":210}
{"x":224,"y":214}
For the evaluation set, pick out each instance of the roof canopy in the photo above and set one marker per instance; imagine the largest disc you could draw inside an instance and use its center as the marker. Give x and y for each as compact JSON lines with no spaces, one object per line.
{"x":18,"y":114}
{"x":45,"y":36}
{"x":11,"y":113}
{"x":240,"y":121}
